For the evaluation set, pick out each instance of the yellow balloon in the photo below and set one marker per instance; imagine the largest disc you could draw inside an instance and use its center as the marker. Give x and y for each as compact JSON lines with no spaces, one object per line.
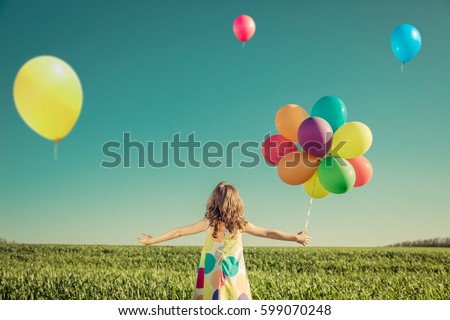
{"x":48,"y":96}
{"x":314,"y":188}
{"x":351,"y":140}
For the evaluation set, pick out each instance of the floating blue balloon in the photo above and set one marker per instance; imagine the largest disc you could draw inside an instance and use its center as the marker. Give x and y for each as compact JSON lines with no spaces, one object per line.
{"x":405,"y":42}
{"x":332,"y":109}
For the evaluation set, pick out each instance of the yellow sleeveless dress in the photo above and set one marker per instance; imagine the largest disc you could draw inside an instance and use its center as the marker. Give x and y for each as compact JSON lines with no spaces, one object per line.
{"x":221,"y":273}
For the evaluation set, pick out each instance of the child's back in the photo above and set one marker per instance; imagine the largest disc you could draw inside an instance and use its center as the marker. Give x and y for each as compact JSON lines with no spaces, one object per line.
{"x":221,"y":273}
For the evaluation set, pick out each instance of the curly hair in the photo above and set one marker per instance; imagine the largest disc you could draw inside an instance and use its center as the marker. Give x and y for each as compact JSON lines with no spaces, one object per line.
{"x":225,"y":207}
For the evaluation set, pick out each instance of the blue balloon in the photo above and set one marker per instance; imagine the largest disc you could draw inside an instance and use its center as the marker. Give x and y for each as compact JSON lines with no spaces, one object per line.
{"x":332,"y":109}
{"x":405,"y":42}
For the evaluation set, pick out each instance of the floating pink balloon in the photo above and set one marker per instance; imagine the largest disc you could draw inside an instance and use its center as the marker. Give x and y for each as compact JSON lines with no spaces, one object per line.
{"x":244,"y":28}
{"x":363,"y":170}
{"x":276,"y":147}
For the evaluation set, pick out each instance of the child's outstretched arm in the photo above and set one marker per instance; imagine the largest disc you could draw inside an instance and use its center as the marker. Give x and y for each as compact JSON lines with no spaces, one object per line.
{"x":175,"y":233}
{"x":301,"y":237}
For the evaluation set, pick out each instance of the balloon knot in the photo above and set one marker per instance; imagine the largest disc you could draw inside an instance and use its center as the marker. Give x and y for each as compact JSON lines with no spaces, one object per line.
{"x":58,"y":141}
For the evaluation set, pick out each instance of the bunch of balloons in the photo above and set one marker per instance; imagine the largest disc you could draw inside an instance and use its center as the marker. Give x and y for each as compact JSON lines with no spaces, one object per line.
{"x":405,"y":42}
{"x":48,"y":97}
{"x":329,"y":157}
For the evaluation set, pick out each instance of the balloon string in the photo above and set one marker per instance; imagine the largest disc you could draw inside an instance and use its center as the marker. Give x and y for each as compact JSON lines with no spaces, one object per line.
{"x":401,"y":69}
{"x":310,"y":203}
{"x":56,"y":149}
{"x":243,"y":44}
{"x":309,"y":213}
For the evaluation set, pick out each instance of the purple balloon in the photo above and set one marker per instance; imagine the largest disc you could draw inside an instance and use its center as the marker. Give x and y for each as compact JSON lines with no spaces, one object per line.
{"x":315,"y":136}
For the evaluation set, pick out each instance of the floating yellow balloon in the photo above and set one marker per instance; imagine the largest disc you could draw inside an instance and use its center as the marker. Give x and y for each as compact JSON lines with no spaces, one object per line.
{"x":48,"y":96}
{"x":351,"y":140}
{"x":314,"y":188}
{"x":288,"y":119}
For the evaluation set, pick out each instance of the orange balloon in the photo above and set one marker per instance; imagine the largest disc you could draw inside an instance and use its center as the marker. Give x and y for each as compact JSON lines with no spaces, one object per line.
{"x":297,"y":167}
{"x":288,"y":119}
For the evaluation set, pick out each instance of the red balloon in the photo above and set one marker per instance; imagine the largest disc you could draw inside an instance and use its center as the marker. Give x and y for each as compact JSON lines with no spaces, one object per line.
{"x":244,"y":28}
{"x":276,"y":147}
{"x":363,"y":170}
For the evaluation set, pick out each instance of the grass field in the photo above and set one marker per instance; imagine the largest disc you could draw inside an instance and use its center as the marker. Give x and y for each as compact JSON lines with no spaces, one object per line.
{"x":138,"y":272}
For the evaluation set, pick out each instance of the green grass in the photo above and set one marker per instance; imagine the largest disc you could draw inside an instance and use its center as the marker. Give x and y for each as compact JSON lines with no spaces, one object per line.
{"x":138,"y":272}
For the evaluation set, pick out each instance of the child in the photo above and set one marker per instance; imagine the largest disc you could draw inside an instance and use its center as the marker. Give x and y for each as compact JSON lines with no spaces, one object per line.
{"x":221,"y":274}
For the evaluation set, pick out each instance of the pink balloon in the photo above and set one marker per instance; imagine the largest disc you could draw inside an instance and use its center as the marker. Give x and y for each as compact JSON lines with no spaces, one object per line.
{"x":276,"y":147}
{"x":244,"y":28}
{"x":363,"y":170}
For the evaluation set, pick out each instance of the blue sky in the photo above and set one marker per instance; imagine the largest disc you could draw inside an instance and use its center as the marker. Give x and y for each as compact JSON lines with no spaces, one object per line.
{"x":156,"y":68}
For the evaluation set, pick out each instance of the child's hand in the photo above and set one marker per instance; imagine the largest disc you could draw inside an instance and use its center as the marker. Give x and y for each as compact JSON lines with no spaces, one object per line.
{"x":303,"y":238}
{"x":146,"y":240}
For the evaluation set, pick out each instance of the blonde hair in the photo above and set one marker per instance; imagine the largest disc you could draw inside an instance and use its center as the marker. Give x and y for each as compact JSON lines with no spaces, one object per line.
{"x":225,"y":207}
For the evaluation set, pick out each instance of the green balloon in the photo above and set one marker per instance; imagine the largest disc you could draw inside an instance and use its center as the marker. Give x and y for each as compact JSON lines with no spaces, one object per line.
{"x":336,"y":175}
